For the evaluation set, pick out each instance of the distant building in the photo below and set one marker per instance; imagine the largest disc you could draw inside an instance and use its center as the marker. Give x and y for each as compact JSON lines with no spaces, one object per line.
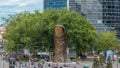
{"x":104,"y":14}
{"x":72,"y":5}
{"x":2,"y":29}
{"x":92,"y":10}
{"x":54,"y":4}
{"x":111,"y":14}
{"x":2,"y":40}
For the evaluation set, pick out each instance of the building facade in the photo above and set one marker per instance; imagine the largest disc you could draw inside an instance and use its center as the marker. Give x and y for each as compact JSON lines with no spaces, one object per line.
{"x":54,"y":4}
{"x":72,"y":5}
{"x":92,"y":10}
{"x":104,"y":14}
{"x":111,"y":14}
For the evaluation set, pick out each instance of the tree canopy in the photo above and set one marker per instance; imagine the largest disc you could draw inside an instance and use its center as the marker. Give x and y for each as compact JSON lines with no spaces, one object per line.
{"x":107,"y":41}
{"x":35,"y":30}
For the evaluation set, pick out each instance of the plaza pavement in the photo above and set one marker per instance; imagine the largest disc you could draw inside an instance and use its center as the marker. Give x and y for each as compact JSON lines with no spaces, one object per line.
{"x":3,"y":63}
{"x":89,"y":62}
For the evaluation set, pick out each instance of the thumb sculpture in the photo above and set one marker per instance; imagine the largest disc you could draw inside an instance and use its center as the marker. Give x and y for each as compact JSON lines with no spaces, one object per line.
{"x":60,"y":44}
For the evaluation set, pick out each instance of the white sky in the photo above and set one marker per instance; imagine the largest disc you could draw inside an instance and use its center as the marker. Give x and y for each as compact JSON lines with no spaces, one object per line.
{"x":15,"y":6}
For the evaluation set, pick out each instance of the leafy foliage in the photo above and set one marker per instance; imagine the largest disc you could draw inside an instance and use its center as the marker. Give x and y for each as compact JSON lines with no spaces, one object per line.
{"x":107,"y":41}
{"x":109,"y":65}
{"x":35,"y":30}
{"x":97,"y":63}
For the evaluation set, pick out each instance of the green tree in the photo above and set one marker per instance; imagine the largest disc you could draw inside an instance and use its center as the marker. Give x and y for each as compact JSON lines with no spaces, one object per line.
{"x":29,"y":28}
{"x":97,"y":62}
{"x":109,"y":65}
{"x":106,"y":41}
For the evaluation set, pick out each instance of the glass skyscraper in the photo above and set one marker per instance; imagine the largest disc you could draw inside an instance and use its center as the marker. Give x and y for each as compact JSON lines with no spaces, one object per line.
{"x":92,"y":10}
{"x":111,"y":14}
{"x":104,"y":14}
{"x":74,"y":6}
{"x":54,"y":4}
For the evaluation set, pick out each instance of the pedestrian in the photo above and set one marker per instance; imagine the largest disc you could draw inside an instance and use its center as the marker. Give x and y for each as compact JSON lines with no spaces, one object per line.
{"x":49,"y":65}
{"x":39,"y":65}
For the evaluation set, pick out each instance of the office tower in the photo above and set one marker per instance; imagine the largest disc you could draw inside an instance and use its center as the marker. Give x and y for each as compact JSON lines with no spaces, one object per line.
{"x":111,"y":14}
{"x":104,"y":14}
{"x":72,"y":5}
{"x":54,"y":4}
{"x":92,"y":10}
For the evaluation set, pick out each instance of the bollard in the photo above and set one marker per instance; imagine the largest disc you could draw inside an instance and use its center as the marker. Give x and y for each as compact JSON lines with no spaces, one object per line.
{"x":119,"y":60}
{"x":86,"y":66}
{"x":12,"y":63}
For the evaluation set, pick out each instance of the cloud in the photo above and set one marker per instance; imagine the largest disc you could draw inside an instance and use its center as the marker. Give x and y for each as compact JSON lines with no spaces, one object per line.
{"x":18,"y":11}
{"x":23,"y":4}
{"x":18,"y":2}
{"x":13,"y":1}
{"x":8,"y":7}
{"x":8,"y":2}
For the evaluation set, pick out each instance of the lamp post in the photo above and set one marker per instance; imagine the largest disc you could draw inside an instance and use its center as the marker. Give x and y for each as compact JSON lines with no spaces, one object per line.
{"x":117,"y":59}
{"x":2,"y":51}
{"x":2,"y":61}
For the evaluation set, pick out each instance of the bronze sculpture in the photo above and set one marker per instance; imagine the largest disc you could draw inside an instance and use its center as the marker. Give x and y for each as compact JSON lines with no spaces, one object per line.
{"x":60,"y":44}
